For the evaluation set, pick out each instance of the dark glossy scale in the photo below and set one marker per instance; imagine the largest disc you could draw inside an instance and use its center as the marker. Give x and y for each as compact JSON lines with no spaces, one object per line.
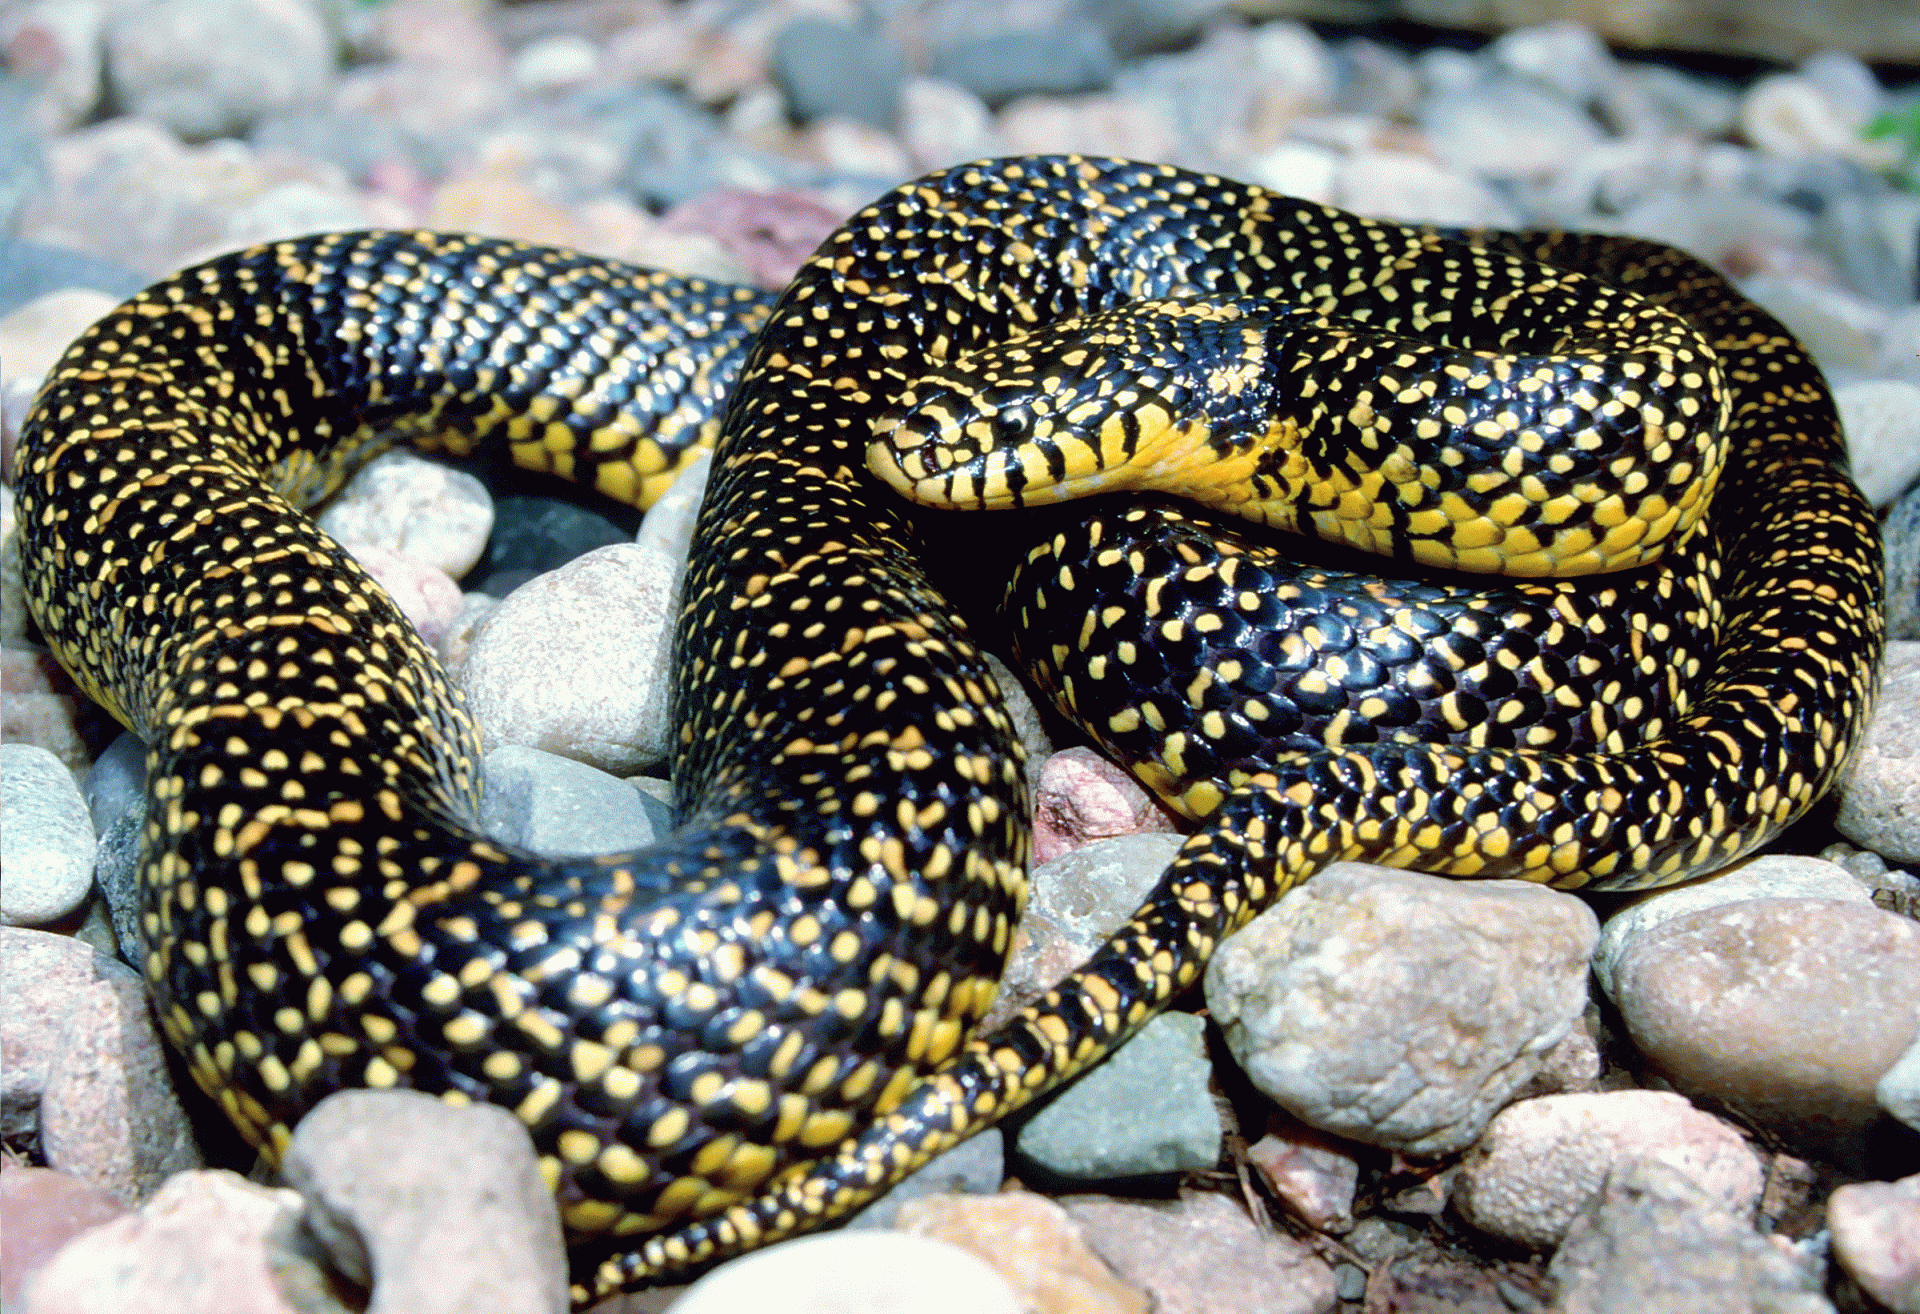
{"x":757,"y":1024}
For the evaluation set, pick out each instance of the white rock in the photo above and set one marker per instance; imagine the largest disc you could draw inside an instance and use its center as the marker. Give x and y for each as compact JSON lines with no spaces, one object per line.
{"x":557,"y":807}
{"x":1296,"y":168}
{"x":1882,"y":419}
{"x":1791,"y":116}
{"x":1898,"y":1090}
{"x":944,"y":124}
{"x":863,"y":1272}
{"x":1541,"y":1160}
{"x":211,"y":68}
{"x":46,"y":838}
{"x":1565,"y":57}
{"x":554,"y":63}
{"x":574,"y":661}
{"x":430,"y":511}
{"x":1400,"y":1009}
{"x":1841,"y":331}
{"x":1880,"y":792}
{"x":1876,"y":1238}
{"x":1392,"y":184}
{"x":1504,"y":128}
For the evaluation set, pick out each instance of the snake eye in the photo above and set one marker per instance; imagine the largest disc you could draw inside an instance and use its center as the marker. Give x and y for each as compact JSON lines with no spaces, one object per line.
{"x":1013,"y":426}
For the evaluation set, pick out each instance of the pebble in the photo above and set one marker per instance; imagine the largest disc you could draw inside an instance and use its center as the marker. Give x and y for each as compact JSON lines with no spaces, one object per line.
{"x":43,"y":1209}
{"x":534,"y":535}
{"x":1541,"y":1160}
{"x":116,"y":866}
{"x":999,"y":67}
{"x":1898,"y":1090}
{"x":1876,"y":1238}
{"x":1145,"y":1110}
{"x":1739,"y":1004}
{"x":203,"y":1245}
{"x":1315,"y":1175}
{"x":84,"y":1067}
{"x":831,"y":70}
{"x":1031,"y":1242}
{"x":46,"y":838}
{"x":34,"y":336}
{"x":1880,"y":794}
{"x":1792,"y":116}
{"x":557,"y":807}
{"x":211,"y":68}
{"x":1399,"y":1009}
{"x":1901,"y":531}
{"x":426,"y":595}
{"x":446,"y":1206}
{"x":1506,"y":129}
{"x":1083,"y":797}
{"x":976,"y":1166}
{"x":769,"y":232}
{"x":1882,"y":420}
{"x":1654,"y":1242}
{"x":863,"y":1272}
{"x":602,"y":623}
{"x":1202,"y":1254}
{"x":1769,"y":876}
{"x":406,"y":503}
{"x":117,"y":782}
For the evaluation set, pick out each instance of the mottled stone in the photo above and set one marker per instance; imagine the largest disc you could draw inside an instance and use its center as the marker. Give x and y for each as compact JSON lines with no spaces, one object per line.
{"x":865,"y":1271}
{"x":46,"y":838}
{"x":1880,"y":794}
{"x":425,"y":509}
{"x":1876,"y":1238}
{"x":1083,"y":797}
{"x":212,"y":69}
{"x":1033,"y":1244}
{"x":558,"y":807}
{"x":43,"y":1209}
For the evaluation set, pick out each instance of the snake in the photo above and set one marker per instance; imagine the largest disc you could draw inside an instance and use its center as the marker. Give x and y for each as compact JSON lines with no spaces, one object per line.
{"x":1181,"y":384}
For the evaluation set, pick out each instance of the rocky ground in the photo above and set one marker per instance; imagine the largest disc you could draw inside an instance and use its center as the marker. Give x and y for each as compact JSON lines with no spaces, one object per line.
{"x":1395,"y":1093}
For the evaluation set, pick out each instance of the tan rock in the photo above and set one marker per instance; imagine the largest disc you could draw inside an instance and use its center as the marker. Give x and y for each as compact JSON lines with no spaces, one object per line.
{"x":1032,"y":1243}
{"x":1876,"y":1238}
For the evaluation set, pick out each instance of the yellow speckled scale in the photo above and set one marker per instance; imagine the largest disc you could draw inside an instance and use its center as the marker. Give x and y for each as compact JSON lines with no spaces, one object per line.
{"x":759,"y":1023}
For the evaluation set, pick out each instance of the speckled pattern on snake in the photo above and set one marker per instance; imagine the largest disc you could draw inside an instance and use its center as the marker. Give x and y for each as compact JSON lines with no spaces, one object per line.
{"x":762,"y":1020}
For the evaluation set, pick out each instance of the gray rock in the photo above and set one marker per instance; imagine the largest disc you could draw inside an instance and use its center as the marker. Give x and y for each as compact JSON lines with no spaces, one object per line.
{"x":1505,"y":128}
{"x":1564,"y":57}
{"x":1400,"y":1009}
{"x":116,"y":870}
{"x":1655,"y":1243}
{"x":1769,"y":876}
{"x":976,"y":1166}
{"x":85,"y":1066}
{"x":30,"y":270}
{"x":1898,"y":1090}
{"x":445,"y":1206}
{"x":1880,"y":793}
{"x":1882,"y":420}
{"x":210,"y":68}
{"x":1902,"y":534}
{"x":828,"y":69}
{"x":534,"y":535}
{"x":1145,"y":1110}
{"x":46,"y":838}
{"x":1740,"y":1004}
{"x":557,"y":807}
{"x":117,"y":782}
{"x":864,"y":1272}
{"x":1004,"y":66}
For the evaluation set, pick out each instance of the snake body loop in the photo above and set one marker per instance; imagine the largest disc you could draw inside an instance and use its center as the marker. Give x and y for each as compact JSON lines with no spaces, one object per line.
{"x":760,"y":1022}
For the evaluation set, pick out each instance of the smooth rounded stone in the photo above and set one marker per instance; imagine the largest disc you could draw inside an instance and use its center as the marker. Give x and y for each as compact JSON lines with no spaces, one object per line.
{"x":210,"y":68}
{"x":1876,"y":1239}
{"x":942,"y":124}
{"x":1901,"y":532}
{"x":574,"y":662}
{"x":999,"y":67}
{"x":1711,"y":223}
{"x":554,"y":63}
{"x":54,"y":46}
{"x":1880,"y":793}
{"x":1565,"y":57}
{"x":1769,"y":876}
{"x":1145,"y":1110}
{"x":117,"y":782}
{"x":828,"y":69}
{"x":458,"y":639}
{"x":426,"y":595}
{"x":46,"y":838}
{"x":533,"y":535}
{"x":1680,"y":102}
{"x":437,"y":1208}
{"x":30,"y":270}
{"x":1791,"y":116}
{"x":208,"y":1242}
{"x":1652,"y":1241}
{"x":1898,"y":1090}
{"x":1027,"y":723}
{"x":558,"y":808}
{"x":1315,"y":1175}
{"x":1739,"y":1005}
{"x":1541,"y":1160}
{"x":35,"y":336}
{"x":1032,"y":1243}
{"x":668,"y":525}
{"x":1202,"y":1254}
{"x":43,"y":1209}
{"x":1083,"y":798}
{"x":1882,"y":420}
{"x":48,"y":721}
{"x":772,"y":232}
{"x":1839,"y":329}
{"x":1296,"y":168}
{"x":429,"y":511}
{"x":80,"y":1061}
{"x":1412,"y":188}
{"x":1504,"y":128}
{"x":863,"y":1272}
{"x":116,"y":868}
{"x":976,"y":1166}
{"x":1400,"y":1009}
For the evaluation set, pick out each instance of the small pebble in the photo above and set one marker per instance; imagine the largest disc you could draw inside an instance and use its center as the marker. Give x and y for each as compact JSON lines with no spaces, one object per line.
{"x":1315,"y":1175}
{"x":1032,"y":1243}
{"x":445,"y":1206}
{"x":46,"y":838}
{"x":426,"y":595}
{"x":864,"y":1272}
{"x":1541,"y":1160}
{"x":117,"y":782}
{"x":211,"y":68}
{"x":1882,"y":420}
{"x":1898,"y":1090}
{"x":424,"y":509}
{"x":1002,"y":67}
{"x":830,"y":70}
{"x":1083,"y":797}
{"x":43,"y":1210}
{"x":1400,"y":1009}
{"x":1876,"y":1238}
{"x":557,"y":807}
{"x":1880,"y":794}
{"x":533,"y":535}
{"x":1145,"y":1110}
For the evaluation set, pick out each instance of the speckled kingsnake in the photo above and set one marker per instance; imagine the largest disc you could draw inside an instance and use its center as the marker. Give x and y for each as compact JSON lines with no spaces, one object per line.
{"x":688,"y":1028}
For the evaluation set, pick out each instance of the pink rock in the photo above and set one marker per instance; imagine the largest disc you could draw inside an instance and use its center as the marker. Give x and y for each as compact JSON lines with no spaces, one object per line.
{"x":198,"y":1247}
{"x":1314,"y":1174}
{"x":426,"y":595}
{"x":1876,"y":1238}
{"x":1203,"y":1255}
{"x":439,"y":34}
{"x":1083,"y":798}
{"x":40,"y":1211}
{"x":771,"y":232}
{"x":1033,"y":1243}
